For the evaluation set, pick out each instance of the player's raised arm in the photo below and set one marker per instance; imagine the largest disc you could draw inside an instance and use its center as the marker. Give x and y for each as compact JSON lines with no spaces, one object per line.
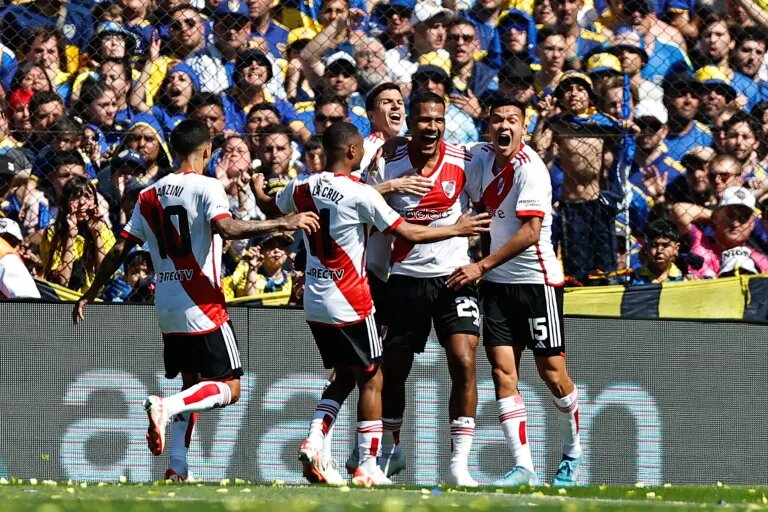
{"x":233,"y":229}
{"x":108,"y":267}
{"x":466,"y":226}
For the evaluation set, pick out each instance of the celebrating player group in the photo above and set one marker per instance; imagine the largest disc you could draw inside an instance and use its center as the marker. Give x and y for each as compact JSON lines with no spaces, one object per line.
{"x":387,"y":246}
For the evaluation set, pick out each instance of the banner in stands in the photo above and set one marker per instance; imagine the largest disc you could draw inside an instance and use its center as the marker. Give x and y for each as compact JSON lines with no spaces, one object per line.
{"x":661,"y":401}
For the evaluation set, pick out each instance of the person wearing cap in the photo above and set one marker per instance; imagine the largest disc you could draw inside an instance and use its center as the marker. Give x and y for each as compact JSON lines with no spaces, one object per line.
{"x":585,"y":142}
{"x":485,"y":15}
{"x":430,"y":32}
{"x":629,"y":47}
{"x":602,"y":66}
{"x":517,"y":34}
{"x":681,"y":98}
{"x":472,"y":80}
{"x":433,"y":76}
{"x":397,"y":16}
{"x":715,"y":92}
{"x":114,"y":179}
{"x":231,"y":29}
{"x":253,"y":70}
{"x":112,"y":41}
{"x":261,"y":273}
{"x":15,"y":280}
{"x":727,"y":250}
{"x":717,"y":45}
{"x":694,"y":186}
{"x":20,"y":19}
{"x":660,"y":251}
{"x":651,"y":160}
{"x":340,"y":76}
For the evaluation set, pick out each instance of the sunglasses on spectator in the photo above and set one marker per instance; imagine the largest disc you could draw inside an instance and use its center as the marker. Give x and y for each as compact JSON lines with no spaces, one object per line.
{"x":322,"y":118}
{"x":722,"y":175}
{"x":461,"y":37}
{"x":740,"y":214}
{"x":340,"y":72}
{"x":649,"y":125}
{"x":189,"y":22}
{"x":436,"y":78}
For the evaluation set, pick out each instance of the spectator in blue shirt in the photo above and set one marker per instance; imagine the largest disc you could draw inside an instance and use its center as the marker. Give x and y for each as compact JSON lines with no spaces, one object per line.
{"x":19,"y":20}
{"x":681,"y":97}
{"x":8,"y":66}
{"x":263,"y":26}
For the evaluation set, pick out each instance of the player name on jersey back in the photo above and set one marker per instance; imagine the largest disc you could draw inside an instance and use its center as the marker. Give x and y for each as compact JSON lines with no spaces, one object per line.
{"x":441,"y":206}
{"x":521,"y":189}
{"x":174,"y":216}
{"x":336,"y":291}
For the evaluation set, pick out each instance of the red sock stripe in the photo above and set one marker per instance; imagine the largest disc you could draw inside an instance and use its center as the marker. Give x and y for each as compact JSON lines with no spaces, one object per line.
{"x":463,"y":431}
{"x":327,"y":423}
{"x":522,"y":434}
{"x":201,"y":394}
{"x":373,"y":429}
{"x":374,"y":446}
{"x":512,"y":415}
{"x":568,"y":409}
{"x":576,"y":415}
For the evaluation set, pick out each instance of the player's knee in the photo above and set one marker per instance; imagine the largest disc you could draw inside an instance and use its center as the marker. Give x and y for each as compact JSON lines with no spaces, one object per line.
{"x":504,"y":379}
{"x":556,"y":380}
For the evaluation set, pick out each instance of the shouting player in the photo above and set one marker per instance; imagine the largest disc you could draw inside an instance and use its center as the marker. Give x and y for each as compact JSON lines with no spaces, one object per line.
{"x":417,"y":286}
{"x":522,"y":288}
{"x":337,"y":297}
{"x":183,"y":218}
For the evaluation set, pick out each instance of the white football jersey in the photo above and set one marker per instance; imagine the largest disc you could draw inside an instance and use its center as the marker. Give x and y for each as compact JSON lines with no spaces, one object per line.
{"x":336,"y":290}
{"x":441,"y":206}
{"x":521,"y":189}
{"x":379,"y":244}
{"x":174,"y":216}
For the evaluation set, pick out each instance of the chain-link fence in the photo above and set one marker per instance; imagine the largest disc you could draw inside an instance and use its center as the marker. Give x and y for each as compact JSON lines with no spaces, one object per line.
{"x":650,"y":116}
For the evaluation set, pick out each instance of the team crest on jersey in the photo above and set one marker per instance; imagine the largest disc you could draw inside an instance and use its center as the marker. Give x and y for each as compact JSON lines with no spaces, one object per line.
{"x":449,"y":188}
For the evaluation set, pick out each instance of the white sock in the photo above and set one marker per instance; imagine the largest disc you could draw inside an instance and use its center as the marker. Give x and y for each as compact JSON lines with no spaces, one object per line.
{"x":322,"y":421}
{"x":568,"y":417}
{"x":200,"y":397}
{"x":390,"y":439}
{"x":462,"y":432}
{"x":369,"y":440}
{"x":514,"y":422}
{"x":326,"y":451}
{"x":182,"y":428}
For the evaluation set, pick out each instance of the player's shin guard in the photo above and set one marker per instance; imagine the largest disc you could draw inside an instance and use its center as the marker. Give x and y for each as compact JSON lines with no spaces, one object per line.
{"x":514,"y":420}
{"x":568,"y":418}
{"x":182,"y":428}
{"x":200,"y":397}
{"x":462,"y":432}
{"x":369,"y":441}
{"x":322,"y":421}
{"x":390,"y":439}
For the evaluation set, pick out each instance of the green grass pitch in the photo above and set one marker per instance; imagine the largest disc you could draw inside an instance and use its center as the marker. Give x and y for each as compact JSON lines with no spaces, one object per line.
{"x":234,"y":497}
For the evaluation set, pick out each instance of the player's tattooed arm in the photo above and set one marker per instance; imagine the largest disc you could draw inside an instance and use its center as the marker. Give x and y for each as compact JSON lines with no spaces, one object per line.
{"x":108,"y":267}
{"x":466,"y":226}
{"x":526,"y":236}
{"x":233,"y":229}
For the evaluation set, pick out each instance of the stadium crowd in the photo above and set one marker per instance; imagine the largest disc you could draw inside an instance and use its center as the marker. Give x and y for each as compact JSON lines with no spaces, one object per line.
{"x":652,"y":117}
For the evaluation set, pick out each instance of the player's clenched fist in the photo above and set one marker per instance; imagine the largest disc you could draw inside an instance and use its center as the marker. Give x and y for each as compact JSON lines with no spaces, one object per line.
{"x":308,"y":222}
{"x":469,"y":225}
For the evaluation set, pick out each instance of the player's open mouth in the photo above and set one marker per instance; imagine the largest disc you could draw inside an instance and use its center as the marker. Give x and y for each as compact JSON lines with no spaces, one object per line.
{"x":395,"y":117}
{"x":504,"y":140}
{"x":429,"y":139}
